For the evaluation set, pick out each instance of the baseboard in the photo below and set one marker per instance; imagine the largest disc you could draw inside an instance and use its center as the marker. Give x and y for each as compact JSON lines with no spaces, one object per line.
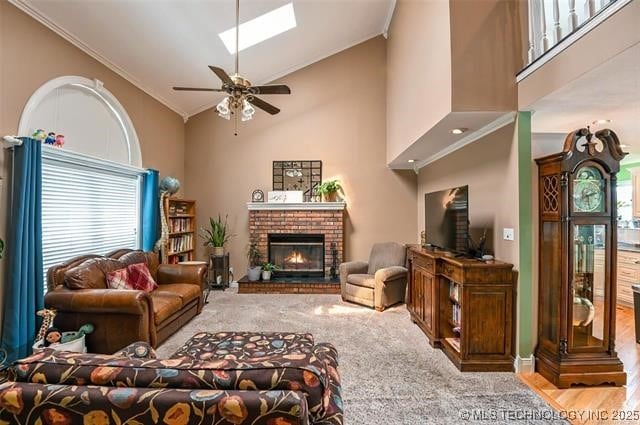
{"x":524,"y":364}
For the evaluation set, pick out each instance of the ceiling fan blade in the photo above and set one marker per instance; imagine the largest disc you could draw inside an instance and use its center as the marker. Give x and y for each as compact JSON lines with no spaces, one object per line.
{"x":221,"y":74}
{"x":195,"y":89}
{"x":256,"y":101}
{"x":271,"y":89}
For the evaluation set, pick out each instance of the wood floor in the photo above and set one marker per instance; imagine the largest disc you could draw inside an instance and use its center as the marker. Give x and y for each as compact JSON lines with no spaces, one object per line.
{"x":598,"y":405}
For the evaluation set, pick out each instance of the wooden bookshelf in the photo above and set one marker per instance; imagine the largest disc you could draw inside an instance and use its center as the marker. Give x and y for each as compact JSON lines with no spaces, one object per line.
{"x":181,"y":219}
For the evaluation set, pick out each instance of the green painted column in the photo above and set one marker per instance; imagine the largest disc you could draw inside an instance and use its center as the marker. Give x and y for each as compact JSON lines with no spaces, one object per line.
{"x":525,"y":290}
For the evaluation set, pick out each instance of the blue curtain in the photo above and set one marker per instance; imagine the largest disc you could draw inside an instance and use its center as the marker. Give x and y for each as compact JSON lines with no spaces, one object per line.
{"x":24,"y":286}
{"x":150,"y":209}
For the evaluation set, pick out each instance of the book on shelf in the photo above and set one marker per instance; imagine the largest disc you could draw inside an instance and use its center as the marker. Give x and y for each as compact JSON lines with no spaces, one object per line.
{"x":180,"y":225}
{"x":454,"y":292}
{"x":455,"y":314}
{"x":175,"y":259}
{"x":181,"y":243}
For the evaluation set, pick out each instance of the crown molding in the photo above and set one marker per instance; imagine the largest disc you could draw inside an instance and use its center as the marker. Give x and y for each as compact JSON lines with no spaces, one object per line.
{"x":496,"y":124}
{"x":73,"y":39}
{"x":291,"y":69}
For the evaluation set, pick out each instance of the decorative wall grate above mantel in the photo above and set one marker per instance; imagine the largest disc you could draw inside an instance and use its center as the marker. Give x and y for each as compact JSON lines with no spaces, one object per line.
{"x":297,"y":206}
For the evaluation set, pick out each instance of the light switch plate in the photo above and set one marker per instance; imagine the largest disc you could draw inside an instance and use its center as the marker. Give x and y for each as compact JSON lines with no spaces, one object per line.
{"x":508,"y":234}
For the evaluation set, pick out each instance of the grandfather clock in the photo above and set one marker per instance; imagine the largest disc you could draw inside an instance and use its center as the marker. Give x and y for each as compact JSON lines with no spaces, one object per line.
{"x":578,"y":250}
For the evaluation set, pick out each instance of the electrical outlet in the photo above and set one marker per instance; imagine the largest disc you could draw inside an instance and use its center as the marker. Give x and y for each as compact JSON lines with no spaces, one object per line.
{"x":508,"y":234}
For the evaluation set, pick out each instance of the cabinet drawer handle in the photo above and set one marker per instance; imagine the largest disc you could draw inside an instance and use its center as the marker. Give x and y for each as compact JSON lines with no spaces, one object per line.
{"x":637,"y":262}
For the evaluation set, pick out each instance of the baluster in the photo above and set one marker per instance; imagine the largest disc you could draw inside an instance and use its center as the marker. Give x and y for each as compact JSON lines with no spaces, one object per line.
{"x":573,"y":16}
{"x":544,"y":41}
{"x":589,"y":8}
{"x":531,"y":53}
{"x":557,"y":31}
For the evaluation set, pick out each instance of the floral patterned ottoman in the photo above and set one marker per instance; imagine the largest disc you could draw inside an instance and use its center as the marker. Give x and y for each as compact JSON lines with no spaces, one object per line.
{"x":261,"y":386}
{"x":255,"y":347}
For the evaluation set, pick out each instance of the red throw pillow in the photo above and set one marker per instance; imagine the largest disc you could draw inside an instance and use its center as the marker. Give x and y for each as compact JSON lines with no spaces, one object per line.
{"x":119,"y":279}
{"x":140,"y":277}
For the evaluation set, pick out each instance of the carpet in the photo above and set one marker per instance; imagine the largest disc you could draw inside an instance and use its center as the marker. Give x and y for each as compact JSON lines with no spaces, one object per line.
{"x":390,"y":374}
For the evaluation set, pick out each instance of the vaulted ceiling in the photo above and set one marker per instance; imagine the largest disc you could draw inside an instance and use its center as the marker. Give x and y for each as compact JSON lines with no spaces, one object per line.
{"x":159,"y":44}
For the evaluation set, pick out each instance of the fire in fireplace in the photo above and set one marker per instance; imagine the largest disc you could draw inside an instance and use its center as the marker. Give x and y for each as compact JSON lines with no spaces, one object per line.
{"x":297,"y":254}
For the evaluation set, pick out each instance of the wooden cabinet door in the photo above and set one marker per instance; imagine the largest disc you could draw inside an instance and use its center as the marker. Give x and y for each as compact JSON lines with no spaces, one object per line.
{"x":488,"y":320}
{"x":428,"y":306}
{"x":414,"y":288}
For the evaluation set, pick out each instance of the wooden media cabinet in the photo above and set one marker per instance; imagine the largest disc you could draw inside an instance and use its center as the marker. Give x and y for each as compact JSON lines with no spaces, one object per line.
{"x":465,"y":307}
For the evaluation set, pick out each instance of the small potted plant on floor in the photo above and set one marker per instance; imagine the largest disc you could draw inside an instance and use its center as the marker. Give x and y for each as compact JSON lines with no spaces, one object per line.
{"x":253,"y":255}
{"x":329,"y":190}
{"x":267,"y":269}
{"x":217,"y":235}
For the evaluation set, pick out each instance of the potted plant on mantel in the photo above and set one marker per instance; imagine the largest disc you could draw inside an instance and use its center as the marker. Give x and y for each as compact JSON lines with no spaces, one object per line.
{"x":329,"y":190}
{"x":253,"y":255}
{"x":217,"y":235}
{"x":267,"y":269}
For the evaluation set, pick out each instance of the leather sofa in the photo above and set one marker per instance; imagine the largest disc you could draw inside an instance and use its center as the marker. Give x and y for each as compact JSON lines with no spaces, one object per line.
{"x":247,"y":378}
{"x":379,"y":283}
{"x":77,"y":290}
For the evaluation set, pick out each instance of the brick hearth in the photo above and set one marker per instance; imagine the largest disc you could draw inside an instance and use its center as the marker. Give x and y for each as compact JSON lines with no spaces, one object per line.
{"x":306,"y":218}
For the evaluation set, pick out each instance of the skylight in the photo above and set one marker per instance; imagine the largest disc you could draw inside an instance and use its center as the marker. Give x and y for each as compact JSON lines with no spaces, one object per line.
{"x":261,"y":28}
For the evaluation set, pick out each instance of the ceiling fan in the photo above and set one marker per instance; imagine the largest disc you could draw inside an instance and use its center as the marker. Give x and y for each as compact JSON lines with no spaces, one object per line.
{"x":241,"y":95}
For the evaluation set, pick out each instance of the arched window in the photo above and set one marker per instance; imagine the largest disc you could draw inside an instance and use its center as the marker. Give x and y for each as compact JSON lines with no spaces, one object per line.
{"x":91,"y":187}
{"x":92,"y":120}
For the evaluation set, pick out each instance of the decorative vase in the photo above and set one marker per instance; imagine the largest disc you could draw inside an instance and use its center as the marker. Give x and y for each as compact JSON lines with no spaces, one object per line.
{"x":330,"y":197}
{"x":266,"y":275}
{"x":253,"y":273}
{"x":218,"y":250}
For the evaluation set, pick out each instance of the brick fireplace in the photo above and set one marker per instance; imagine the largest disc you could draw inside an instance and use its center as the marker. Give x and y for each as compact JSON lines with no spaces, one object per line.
{"x":325,"y":219}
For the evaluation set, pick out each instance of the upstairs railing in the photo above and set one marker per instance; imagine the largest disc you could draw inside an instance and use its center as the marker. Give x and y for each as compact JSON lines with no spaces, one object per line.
{"x":554,"y":22}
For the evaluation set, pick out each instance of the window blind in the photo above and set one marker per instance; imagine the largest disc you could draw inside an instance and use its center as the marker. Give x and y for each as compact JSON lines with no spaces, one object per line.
{"x":89,"y":206}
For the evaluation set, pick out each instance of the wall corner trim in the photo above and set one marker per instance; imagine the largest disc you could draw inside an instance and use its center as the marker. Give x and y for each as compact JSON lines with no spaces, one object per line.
{"x":524,"y":364}
{"x":34,"y":13}
{"x":387,"y":21}
{"x":495,"y":125}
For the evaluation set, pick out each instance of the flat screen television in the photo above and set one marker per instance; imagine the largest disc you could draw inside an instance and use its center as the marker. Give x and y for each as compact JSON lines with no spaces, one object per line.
{"x":447,"y":219}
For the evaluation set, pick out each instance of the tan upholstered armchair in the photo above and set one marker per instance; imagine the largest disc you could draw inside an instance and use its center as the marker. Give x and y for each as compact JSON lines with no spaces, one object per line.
{"x":381,"y":282}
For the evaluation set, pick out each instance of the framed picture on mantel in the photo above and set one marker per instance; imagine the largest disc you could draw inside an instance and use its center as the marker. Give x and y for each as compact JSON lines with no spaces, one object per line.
{"x":297,"y":176}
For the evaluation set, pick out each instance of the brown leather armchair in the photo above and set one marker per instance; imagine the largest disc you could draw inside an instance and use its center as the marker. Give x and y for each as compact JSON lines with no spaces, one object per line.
{"x":78,"y":291}
{"x":379,"y":283}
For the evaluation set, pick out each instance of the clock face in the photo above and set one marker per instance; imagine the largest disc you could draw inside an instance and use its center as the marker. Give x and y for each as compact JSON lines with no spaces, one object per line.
{"x":257,"y":196}
{"x":588,"y":190}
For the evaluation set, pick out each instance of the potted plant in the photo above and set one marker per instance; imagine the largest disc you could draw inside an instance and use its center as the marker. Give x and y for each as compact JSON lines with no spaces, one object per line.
{"x":329,"y":190}
{"x":217,"y":235}
{"x":267,"y":269}
{"x":253,"y":255}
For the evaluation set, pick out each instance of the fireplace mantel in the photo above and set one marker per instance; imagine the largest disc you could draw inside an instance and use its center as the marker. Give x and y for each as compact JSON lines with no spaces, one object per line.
{"x":296,"y":206}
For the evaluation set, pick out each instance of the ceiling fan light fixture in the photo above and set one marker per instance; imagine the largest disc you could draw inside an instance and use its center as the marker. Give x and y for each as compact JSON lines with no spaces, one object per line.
{"x":247,"y":110}
{"x":223,"y":108}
